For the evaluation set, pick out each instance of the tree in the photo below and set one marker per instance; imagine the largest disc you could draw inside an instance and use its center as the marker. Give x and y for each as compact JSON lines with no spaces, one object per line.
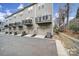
{"x":62,"y":16}
{"x":68,"y":8}
{"x":77,"y":15}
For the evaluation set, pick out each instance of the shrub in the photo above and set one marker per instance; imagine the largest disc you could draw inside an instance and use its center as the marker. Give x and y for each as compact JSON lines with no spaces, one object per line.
{"x":56,"y":29}
{"x":74,"y":27}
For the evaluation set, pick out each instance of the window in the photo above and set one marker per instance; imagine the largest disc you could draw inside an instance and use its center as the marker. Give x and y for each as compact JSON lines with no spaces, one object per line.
{"x":23,"y":22}
{"x":20,"y":27}
{"x":15,"y":17}
{"x":50,"y":17}
{"x":6,"y":26}
{"x":30,"y":9}
{"x":42,"y":6}
{"x":39,"y":19}
{"x":9,"y":19}
{"x":14,"y":27}
{"x":30,"y":21}
{"x":27,"y":21}
{"x":46,"y":17}
{"x":18,"y":23}
{"x":36,"y":19}
{"x":21,"y":14}
{"x":43,"y":17}
{"x":9,"y":28}
{"x":39,"y":7}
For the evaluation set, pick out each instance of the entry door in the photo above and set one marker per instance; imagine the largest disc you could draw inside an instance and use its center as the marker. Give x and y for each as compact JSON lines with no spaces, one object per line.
{"x":44,"y":29}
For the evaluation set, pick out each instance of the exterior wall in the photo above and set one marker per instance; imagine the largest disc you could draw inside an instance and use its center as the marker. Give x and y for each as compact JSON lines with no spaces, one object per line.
{"x":44,"y":29}
{"x":6,"y":23}
{"x":42,"y":10}
{"x":37,"y":10}
{"x":29,"y":13}
{"x":1,"y":26}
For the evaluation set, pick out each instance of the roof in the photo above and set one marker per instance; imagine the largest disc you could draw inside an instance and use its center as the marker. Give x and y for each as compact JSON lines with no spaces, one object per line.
{"x":20,"y":10}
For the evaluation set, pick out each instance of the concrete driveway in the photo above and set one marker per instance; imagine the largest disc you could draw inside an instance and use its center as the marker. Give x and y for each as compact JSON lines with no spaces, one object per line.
{"x":26,"y":46}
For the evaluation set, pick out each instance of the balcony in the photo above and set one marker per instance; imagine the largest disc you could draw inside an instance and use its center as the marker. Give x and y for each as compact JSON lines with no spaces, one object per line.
{"x":11,"y":24}
{"x":18,"y":24}
{"x":27,"y":22}
{"x":10,"y":28}
{"x":14,"y":27}
{"x":20,"y":27}
{"x":6,"y":26}
{"x":47,"y":19}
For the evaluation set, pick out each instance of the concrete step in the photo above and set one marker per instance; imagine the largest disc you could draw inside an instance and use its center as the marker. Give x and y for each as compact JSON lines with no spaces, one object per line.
{"x":28,"y":35}
{"x":40,"y":36}
{"x":18,"y":34}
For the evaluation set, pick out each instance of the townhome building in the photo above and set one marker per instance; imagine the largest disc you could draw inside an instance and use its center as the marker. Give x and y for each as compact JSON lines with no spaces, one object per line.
{"x":33,"y":19}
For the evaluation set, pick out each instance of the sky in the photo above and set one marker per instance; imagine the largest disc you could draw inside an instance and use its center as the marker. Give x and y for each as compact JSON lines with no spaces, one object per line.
{"x":73,"y":9}
{"x":7,"y":9}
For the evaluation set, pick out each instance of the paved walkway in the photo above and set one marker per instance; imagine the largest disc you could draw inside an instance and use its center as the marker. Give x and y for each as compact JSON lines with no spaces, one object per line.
{"x":71,"y":44}
{"x":60,"y":48}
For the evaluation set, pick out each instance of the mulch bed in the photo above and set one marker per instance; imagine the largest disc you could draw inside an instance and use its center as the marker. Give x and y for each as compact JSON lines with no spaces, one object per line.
{"x":75,"y":35}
